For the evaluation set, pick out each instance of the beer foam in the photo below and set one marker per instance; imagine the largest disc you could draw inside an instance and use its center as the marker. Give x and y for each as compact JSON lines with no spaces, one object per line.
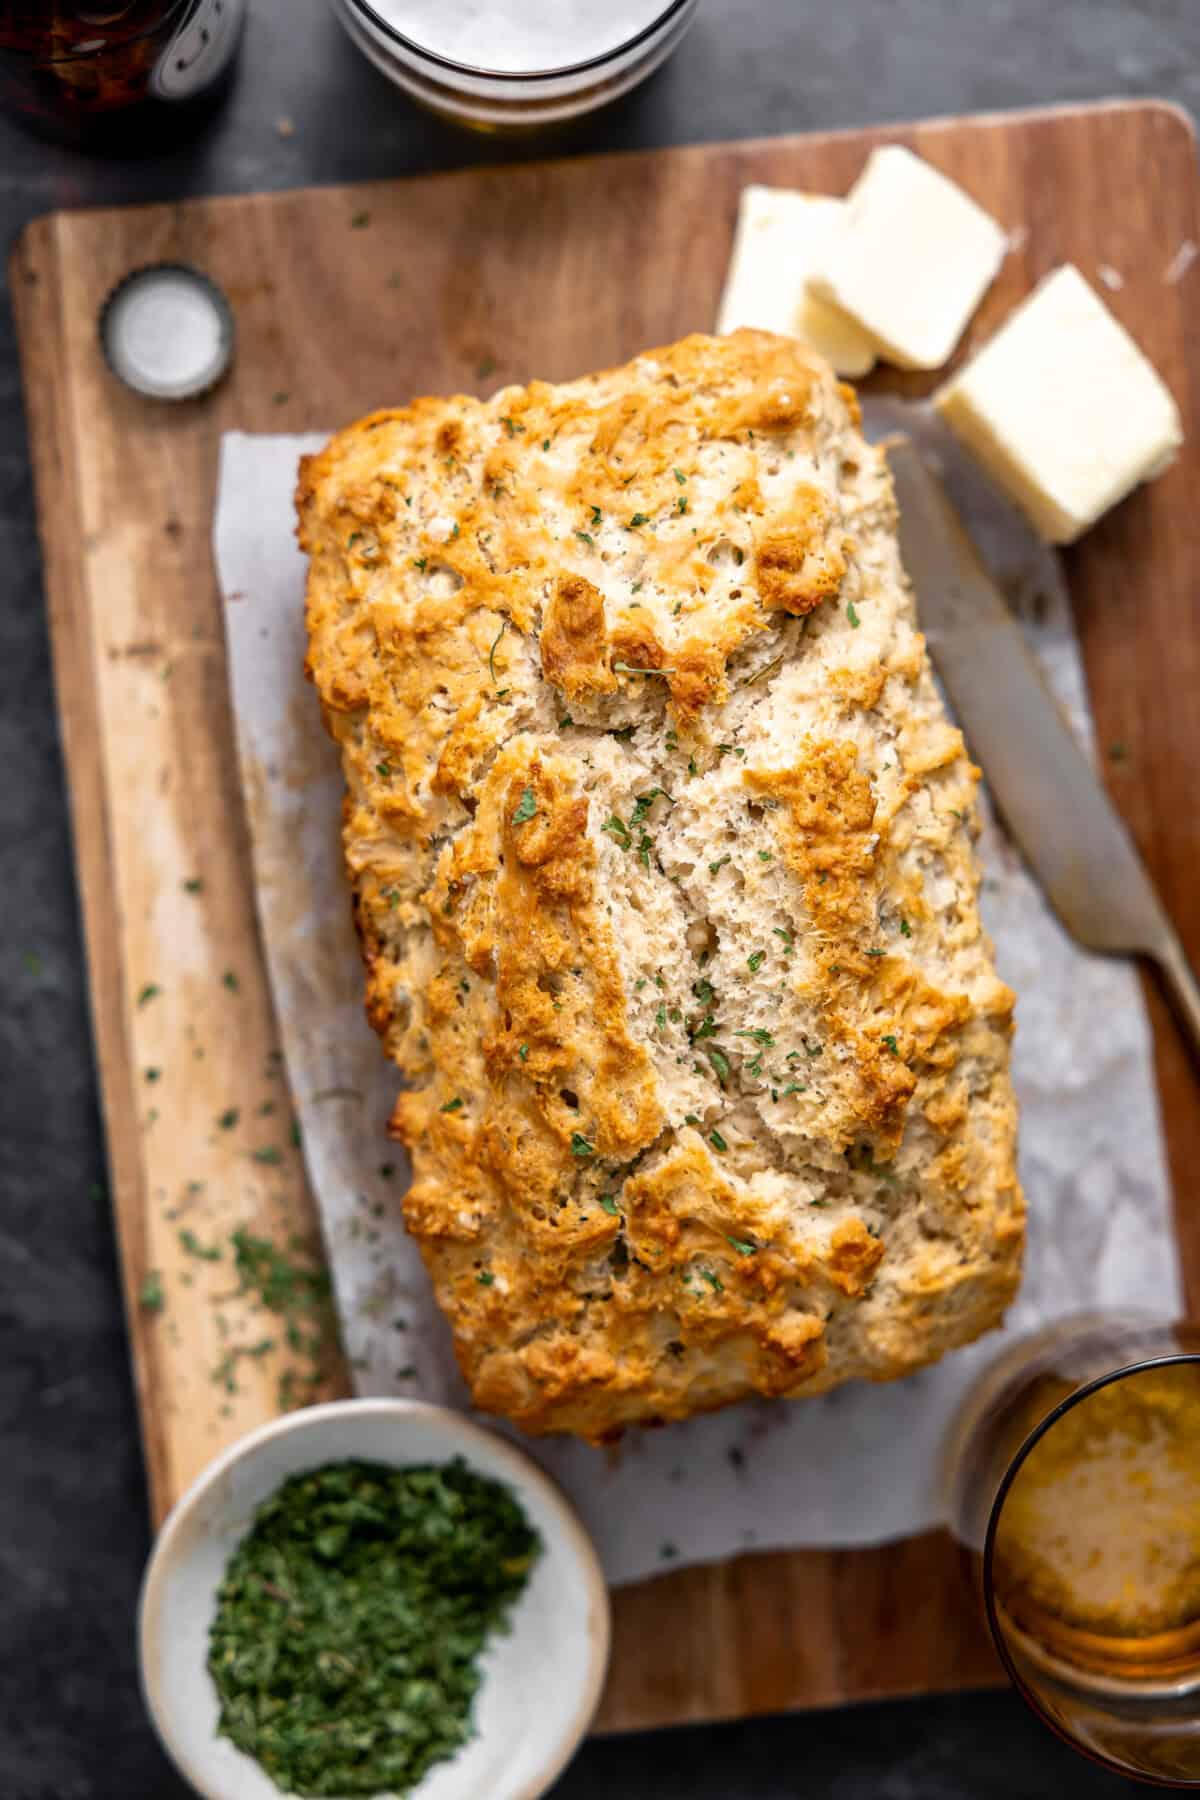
{"x":522,"y":36}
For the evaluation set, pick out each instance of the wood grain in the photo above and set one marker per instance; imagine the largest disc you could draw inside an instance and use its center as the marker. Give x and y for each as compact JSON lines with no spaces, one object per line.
{"x":465,"y":281}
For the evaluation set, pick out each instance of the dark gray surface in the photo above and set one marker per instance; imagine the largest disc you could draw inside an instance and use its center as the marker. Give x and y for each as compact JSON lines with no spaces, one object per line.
{"x":72,"y":1506}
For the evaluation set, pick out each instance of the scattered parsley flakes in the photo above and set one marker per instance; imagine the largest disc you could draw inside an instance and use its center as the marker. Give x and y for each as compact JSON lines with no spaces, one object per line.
{"x":526,"y":809}
{"x":152,"y":1074}
{"x":717,"y":1141}
{"x":793,"y":1087}
{"x":586,"y":538}
{"x":760,"y":1037}
{"x":681,"y":504}
{"x":1118,"y":752}
{"x":360,"y":220}
{"x":691,"y":1118}
{"x":454,"y":1105}
{"x":719,"y":1061}
{"x":597,"y":515}
{"x":523,"y":1052}
{"x":193,"y":885}
{"x":787,"y":937}
{"x":890,"y":1041}
{"x":742,"y":1247}
{"x":580,"y":1145}
{"x":485,"y":1278}
{"x":610,"y":1205}
{"x":680,"y":477}
{"x":151,"y":991}
{"x":714,"y":1280}
{"x":766,"y":856}
{"x":755,"y":961}
{"x":151,"y":1298}
{"x":639,"y":519}
{"x":714,"y":867}
{"x":617,"y":828}
{"x":270,"y":1154}
{"x":876,"y":952}
{"x":492,"y":651}
{"x":206,"y":1252}
{"x":229,"y":1118}
{"x":660,"y":1018}
{"x":852,"y":615}
{"x":644,"y":802}
{"x":230,"y":980}
{"x":484,"y":367}
{"x":905,"y":928}
{"x":623,"y":668}
{"x":510,"y":425}
{"x":420,"y":562}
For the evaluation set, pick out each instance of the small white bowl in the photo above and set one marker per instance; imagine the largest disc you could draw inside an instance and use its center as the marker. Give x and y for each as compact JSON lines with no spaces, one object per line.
{"x":541,"y":1682}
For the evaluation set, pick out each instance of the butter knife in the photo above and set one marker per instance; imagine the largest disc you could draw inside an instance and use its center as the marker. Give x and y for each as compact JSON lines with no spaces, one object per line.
{"x":1049,"y":795}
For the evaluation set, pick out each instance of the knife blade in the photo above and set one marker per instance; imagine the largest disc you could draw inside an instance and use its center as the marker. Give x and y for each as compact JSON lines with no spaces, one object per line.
{"x":1045,"y":788}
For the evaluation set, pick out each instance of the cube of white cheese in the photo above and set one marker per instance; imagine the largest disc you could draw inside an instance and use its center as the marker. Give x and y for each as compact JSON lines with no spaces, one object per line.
{"x":1062,"y":408}
{"x":912,"y":259}
{"x":780,"y":236}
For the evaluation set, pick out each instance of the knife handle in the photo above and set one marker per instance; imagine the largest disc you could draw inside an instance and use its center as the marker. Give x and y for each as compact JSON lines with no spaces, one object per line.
{"x":1182,"y":986}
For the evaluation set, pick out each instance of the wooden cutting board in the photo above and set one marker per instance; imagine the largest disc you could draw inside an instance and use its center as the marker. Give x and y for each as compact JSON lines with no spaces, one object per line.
{"x":351,"y":298}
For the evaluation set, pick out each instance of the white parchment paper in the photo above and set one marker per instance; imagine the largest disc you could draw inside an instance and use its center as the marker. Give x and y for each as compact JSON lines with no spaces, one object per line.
{"x":857,"y":1466}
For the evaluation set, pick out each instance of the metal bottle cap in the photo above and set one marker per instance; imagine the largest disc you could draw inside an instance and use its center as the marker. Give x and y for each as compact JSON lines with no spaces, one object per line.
{"x":167,"y":332}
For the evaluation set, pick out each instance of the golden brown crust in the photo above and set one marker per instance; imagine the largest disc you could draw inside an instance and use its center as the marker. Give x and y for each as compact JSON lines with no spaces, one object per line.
{"x":804,"y":564}
{"x":660,"y":850}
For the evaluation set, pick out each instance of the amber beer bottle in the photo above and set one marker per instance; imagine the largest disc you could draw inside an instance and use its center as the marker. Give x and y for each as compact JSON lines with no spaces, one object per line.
{"x":125,"y":75}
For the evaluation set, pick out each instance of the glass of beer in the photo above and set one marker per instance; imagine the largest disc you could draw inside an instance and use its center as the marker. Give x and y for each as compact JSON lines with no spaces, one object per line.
{"x":1073,"y":1476}
{"x":504,"y":65}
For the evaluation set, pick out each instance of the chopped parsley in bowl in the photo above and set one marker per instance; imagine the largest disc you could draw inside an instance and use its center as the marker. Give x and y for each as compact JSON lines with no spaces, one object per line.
{"x":373,"y":1597}
{"x":350,"y":1623}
